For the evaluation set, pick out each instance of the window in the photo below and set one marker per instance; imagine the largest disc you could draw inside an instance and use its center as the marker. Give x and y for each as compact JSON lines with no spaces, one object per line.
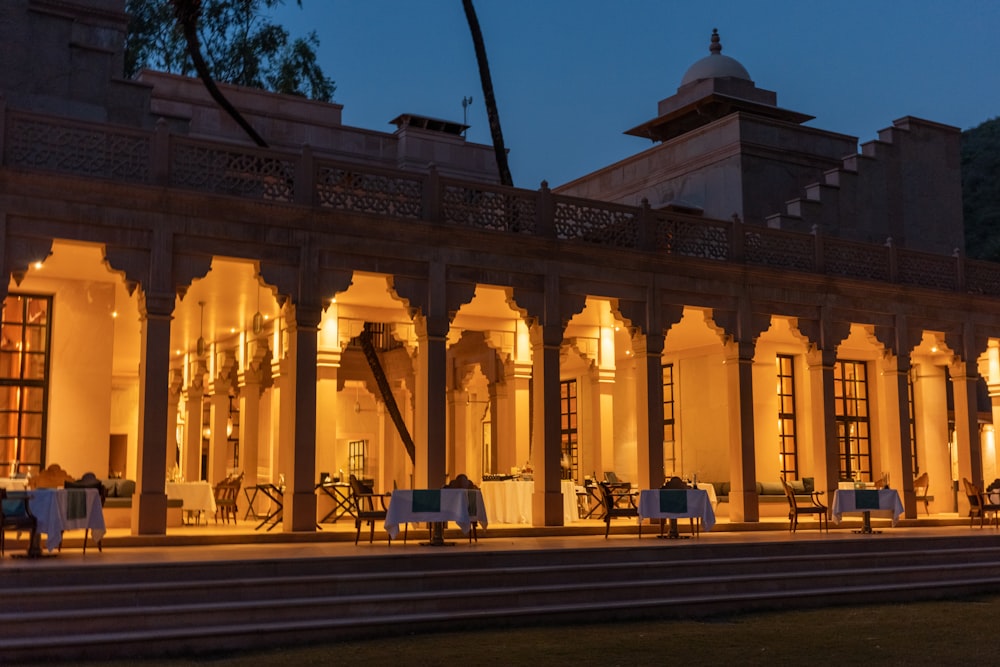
{"x":850,"y":391}
{"x":787,"y":444}
{"x":357,"y":458}
{"x":914,"y":462}
{"x":568,"y":428}
{"x":24,"y":372}
{"x":668,"y":416}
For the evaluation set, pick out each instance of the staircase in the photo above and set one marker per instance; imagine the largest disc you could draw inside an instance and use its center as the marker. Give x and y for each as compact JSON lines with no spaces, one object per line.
{"x":371,"y":356}
{"x":99,"y":611}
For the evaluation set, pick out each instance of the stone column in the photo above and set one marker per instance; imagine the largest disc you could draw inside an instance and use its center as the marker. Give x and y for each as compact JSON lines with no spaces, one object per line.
{"x":547,"y":501}
{"x":649,"y":409}
{"x":300,"y":492}
{"x":823,"y":426}
{"x":431,"y":413}
{"x":326,"y":410}
{"x":251,"y":391}
{"x":896,"y":372}
{"x":970,"y":450}
{"x":174,"y":392}
{"x":219,"y":452}
{"x":930,"y":405}
{"x":460,"y":418}
{"x":191,"y":455}
{"x":743,"y":467}
{"x":513,"y":417}
{"x":149,"y":510}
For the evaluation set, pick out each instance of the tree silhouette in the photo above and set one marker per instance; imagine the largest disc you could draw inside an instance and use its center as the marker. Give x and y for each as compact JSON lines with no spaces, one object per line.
{"x":489,"y":99}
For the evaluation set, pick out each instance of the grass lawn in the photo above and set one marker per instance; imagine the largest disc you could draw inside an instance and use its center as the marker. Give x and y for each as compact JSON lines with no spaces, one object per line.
{"x":926,"y":633}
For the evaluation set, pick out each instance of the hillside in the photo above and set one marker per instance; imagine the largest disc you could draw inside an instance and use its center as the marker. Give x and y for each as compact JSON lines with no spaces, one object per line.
{"x":981,"y":190}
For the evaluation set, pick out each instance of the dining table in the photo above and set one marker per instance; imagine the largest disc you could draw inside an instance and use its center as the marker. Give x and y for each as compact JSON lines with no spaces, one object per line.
{"x":59,"y":510}
{"x":461,"y":506}
{"x":676,"y":504}
{"x":866,"y":501}
{"x":197,"y":498}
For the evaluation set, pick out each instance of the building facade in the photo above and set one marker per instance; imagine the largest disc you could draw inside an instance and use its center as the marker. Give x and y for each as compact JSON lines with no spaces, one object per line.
{"x":726,"y":305}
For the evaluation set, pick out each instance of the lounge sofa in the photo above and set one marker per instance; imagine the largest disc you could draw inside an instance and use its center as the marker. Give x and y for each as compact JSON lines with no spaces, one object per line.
{"x":770,"y":496}
{"x":118,"y":505}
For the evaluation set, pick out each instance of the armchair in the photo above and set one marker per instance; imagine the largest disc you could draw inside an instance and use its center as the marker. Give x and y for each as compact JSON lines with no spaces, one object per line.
{"x":15,"y":513}
{"x":364,"y":509}
{"x":813,"y":507}
{"x":611,"y":497}
{"x":920,"y":487}
{"x":88,"y":481}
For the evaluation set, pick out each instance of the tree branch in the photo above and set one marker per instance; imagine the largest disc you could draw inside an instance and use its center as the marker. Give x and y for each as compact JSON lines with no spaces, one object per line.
{"x":187,"y":13}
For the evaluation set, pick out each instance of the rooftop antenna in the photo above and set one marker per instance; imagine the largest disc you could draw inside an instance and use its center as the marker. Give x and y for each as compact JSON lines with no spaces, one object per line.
{"x":466,"y":103}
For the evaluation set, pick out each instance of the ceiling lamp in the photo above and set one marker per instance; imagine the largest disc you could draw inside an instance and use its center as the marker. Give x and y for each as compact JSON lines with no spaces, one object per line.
{"x":202,"y":346}
{"x":258,"y":319}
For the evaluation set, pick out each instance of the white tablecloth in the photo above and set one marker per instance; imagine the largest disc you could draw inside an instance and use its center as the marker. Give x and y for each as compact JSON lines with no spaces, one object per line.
{"x":509,"y":501}
{"x":434,"y":505}
{"x":13,"y":483}
{"x":57,"y":512}
{"x":196,"y":496}
{"x":696,"y":504}
{"x":710,"y":490}
{"x":845,"y":502}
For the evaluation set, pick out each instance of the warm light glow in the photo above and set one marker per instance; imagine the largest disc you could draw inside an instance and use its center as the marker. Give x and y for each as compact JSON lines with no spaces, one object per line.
{"x":114,"y":313}
{"x":934,"y":348}
{"x":178,"y":352}
{"x":206,"y":432}
{"x":38,"y":265}
{"x":232,"y":329}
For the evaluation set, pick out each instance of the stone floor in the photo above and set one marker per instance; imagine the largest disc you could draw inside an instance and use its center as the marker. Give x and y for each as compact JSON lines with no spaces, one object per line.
{"x":211,"y":541}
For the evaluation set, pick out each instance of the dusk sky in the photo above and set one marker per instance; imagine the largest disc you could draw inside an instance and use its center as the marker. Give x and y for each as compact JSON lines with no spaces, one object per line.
{"x":571,"y":76}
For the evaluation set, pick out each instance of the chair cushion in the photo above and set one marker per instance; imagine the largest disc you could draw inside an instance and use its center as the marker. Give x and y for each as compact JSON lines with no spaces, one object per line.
{"x":798,"y":487}
{"x":770,"y":489}
{"x":126,"y":488}
{"x":111,"y":487}
{"x":809,"y":483}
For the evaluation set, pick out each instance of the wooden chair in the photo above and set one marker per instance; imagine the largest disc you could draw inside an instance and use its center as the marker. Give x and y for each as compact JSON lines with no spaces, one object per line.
{"x":813,"y":507}
{"x":920,"y":487}
{"x":620,"y":486}
{"x":88,"y":481}
{"x":611,"y":497}
{"x":15,"y":513}
{"x":463,"y":482}
{"x":979,"y":505}
{"x":364,"y":509}
{"x":53,"y":477}
{"x":227,"y":493}
{"x":678,"y":483}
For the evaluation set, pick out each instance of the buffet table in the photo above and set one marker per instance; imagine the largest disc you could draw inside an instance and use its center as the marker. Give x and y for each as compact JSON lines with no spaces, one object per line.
{"x":196,"y":497}
{"x":509,"y":500}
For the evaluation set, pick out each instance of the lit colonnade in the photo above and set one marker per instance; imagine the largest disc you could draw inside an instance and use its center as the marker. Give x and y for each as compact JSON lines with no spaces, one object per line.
{"x":493,"y":367}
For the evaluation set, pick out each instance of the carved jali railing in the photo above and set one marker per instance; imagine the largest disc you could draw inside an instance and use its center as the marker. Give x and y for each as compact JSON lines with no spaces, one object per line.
{"x":156,"y":157}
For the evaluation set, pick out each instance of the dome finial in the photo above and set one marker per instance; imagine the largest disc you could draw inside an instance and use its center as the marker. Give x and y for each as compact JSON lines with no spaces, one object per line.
{"x":716,"y":47}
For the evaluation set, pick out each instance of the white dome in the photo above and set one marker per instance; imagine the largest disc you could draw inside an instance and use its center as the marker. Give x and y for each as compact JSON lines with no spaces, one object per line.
{"x":715,"y":66}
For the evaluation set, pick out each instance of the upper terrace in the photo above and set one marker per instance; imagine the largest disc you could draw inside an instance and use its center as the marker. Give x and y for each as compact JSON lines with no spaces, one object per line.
{"x":160,"y":158}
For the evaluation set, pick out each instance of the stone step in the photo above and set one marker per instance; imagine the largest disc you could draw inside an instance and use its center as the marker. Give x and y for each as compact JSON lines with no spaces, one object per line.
{"x":154,"y":609}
